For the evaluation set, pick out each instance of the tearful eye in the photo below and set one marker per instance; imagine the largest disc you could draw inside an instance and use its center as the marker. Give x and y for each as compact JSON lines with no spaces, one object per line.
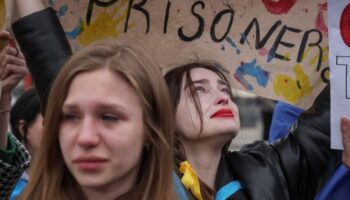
{"x":199,"y":89}
{"x":109,"y":118}
{"x":70,"y":117}
{"x":226,"y":90}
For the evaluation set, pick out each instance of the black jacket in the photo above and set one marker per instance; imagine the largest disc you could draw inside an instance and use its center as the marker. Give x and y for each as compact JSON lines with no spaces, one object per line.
{"x":45,"y":47}
{"x":293,"y":168}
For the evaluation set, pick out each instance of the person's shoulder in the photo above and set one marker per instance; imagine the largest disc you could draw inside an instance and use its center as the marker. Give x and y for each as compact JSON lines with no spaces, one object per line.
{"x":253,"y":152}
{"x":20,"y":157}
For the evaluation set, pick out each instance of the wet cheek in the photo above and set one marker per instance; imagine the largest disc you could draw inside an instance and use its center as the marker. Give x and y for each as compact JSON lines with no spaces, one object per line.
{"x":64,"y":147}
{"x":127,"y":139}
{"x":65,"y":137}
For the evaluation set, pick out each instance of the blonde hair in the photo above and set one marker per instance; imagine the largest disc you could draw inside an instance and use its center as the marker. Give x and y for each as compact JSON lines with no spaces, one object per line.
{"x":50,"y":178}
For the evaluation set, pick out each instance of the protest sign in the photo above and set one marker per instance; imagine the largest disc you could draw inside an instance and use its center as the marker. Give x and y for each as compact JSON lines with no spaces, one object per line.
{"x":2,"y":21}
{"x":2,"y":14}
{"x":275,"y":49}
{"x":339,"y":59}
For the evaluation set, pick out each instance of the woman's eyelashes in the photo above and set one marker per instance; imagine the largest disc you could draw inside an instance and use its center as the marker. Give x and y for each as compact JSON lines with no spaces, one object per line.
{"x":200,"y":89}
{"x":109,"y":118}
{"x":103,"y":117}
{"x":70,"y":117}
{"x":203,"y":89}
{"x":226,"y":90}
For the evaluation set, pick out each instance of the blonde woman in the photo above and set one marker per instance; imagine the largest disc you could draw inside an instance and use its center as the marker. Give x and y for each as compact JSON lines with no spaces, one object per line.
{"x":107,"y":132}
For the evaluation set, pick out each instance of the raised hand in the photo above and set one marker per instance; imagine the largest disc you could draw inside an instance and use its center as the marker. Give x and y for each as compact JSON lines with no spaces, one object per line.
{"x":12,"y":70}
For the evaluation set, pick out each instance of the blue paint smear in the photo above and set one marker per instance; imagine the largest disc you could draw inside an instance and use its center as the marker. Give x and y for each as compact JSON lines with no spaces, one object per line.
{"x":73,"y":34}
{"x":51,"y":2}
{"x":254,"y":70}
{"x":270,"y":56}
{"x":233,"y":45}
{"x":244,"y":82}
{"x":62,"y":10}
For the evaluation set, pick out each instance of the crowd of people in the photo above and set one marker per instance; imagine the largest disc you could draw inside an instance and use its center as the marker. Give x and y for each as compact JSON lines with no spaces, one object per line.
{"x":104,"y":123}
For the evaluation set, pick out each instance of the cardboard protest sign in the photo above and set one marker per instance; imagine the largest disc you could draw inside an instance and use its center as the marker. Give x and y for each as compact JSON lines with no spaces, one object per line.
{"x":6,"y":11}
{"x":2,"y":20}
{"x":276,"y":49}
{"x":6,"y":7}
{"x":339,"y":59}
{"x":2,"y":14}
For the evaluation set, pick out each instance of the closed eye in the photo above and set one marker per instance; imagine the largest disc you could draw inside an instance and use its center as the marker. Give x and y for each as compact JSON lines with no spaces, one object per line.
{"x":199,"y":89}
{"x":109,"y":118}
{"x":70,"y":117}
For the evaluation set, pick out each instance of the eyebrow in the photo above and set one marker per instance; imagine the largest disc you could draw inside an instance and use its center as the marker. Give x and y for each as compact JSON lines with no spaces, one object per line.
{"x":206,"y":81}
{"x":68,"y":106}
{"x":221,"y":82}
{"x":101,"y":106}
{"x":200,"y":81}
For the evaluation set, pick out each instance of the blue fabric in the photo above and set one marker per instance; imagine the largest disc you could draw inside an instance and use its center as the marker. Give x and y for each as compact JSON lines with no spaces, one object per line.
{"x":338,"y":186}
{"x":20,"y":185}
{"x":180,"y":190}
{"x":228,"y":190}
{"x":284,"y":115}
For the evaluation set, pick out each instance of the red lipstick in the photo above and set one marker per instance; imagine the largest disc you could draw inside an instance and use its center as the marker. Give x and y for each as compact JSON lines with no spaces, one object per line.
{"x":223,"y":113}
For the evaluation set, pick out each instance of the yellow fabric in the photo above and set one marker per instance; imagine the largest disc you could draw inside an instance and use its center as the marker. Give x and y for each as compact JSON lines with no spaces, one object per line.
{"x":190,"y":179}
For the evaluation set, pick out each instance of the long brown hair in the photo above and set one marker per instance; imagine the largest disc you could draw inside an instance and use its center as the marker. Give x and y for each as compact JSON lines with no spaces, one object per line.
{"x":51,"y":179}
{"x":174,"y":79}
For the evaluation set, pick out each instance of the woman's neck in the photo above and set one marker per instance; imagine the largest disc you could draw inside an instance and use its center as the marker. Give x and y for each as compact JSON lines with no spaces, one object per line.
{"x":105,"y":193}
{"x":204,"y":160}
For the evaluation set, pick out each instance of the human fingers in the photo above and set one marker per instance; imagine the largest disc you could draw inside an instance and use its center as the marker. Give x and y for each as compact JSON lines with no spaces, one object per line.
{"x":8,"y":59}
{"x":8,"y":55}
{"x":13,"y":70}
{"x":4,"y":35}
{"x":4,"y":38}
{"x":8,"y":50}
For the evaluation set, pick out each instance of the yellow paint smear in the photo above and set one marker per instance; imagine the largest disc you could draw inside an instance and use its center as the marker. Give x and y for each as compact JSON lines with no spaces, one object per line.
{"x":315,"y":58}
{"x":293,"y":89}
{"x":2,"y":14}
{"x":324,"y":57}
{"x":104,"y":26}
{"x":287,"y":55}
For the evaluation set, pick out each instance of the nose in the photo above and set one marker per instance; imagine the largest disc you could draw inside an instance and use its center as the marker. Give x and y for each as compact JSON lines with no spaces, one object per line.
{"x":222,"y":99}
{"x":88,"y":136}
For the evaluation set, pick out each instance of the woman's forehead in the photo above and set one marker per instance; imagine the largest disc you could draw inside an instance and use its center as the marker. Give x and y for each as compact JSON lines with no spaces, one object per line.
{"x":200,"y":73}
{"x":205,"y":76}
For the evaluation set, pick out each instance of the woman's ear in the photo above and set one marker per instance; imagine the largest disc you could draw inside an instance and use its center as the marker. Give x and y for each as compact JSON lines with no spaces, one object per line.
{"x":22,"y":128}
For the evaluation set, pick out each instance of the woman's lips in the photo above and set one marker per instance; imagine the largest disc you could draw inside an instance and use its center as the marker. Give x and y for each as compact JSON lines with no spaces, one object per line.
{"x":89,"y":163}
{"x":223,"y":113}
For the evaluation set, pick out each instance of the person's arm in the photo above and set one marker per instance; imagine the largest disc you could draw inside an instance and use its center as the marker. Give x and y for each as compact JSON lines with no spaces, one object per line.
{"x":27,"y":7}
{"x":43,"y":42}
{"x":14,"y":159}
{"x":4,"y":102}
{"x":12,"y":70}
{"x":306,"y":158}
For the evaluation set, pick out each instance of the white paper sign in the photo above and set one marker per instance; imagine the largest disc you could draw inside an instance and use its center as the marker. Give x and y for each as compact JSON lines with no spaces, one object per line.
{"x":339,"y":58}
